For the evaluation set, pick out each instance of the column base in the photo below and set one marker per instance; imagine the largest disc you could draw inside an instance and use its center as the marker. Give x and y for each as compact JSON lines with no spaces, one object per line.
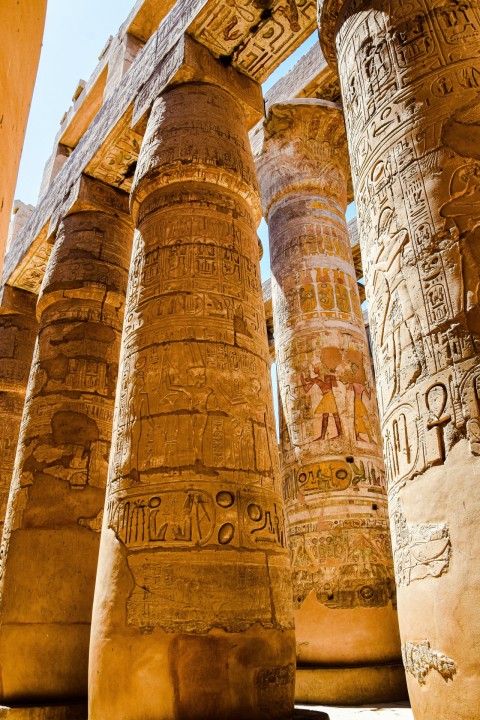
{"x":77,"y":711}
{"x":351,"y":685}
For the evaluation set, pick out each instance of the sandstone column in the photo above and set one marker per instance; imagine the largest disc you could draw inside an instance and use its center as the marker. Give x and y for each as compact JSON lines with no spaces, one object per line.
{"x":52,"y":531}
{"x":410,"y":76}
{"x":192,"y":613}
{"x":348,"y":648}
{"x":17,"y":339}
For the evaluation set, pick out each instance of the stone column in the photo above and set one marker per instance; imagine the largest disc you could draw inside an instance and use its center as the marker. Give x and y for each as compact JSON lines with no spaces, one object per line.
{"x":348,"y":647}
{"x":52,"y":530}
{"x":410,"y":76}
{"x":18,"y":331}
{"x":192,"y":614}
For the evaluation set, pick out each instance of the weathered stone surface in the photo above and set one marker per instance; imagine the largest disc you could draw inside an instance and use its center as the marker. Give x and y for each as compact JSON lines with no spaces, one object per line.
{"x":52,"y":530}
{"x":331,"y":456}
{"x":192,"y":615}
{"x":410,"y":77}
{"x":109,"y":149}
{"x":18,"y":331}
{"x":253,"y":38}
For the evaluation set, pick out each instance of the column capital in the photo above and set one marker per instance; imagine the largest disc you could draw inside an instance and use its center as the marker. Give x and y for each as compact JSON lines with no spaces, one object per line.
{"x":89,"y":194}
{"x":209,"y":154}
{"x":305,"y":148}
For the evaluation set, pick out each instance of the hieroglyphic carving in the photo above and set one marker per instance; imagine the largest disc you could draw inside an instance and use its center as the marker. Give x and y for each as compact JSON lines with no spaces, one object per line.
{"x":330,"y":438}
{"x":409,"y":75}
{"x":343,"y":562}
{"x":254,"y":34}
{"x":195,"y":514}
{"x":115,"y":163}
{"x":420,"y":659}
{"x":420,"y":259}
{"x":173,"y":518}
{"x":58,"y":489}
{"x":29,"y":273}
{"x":177,"y":417}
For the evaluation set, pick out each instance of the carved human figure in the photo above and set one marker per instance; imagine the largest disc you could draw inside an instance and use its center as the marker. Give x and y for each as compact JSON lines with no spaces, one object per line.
{"x":389,"y":262}
{"x":327,"y":405}
{"x":50,"y":543}
{"x":330,"y":451}
{"x":415,"y":171}
{"x":194,"y":579}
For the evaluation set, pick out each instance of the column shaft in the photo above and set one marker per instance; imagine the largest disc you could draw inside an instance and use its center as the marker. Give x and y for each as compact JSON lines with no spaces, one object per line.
{"x":51,"y":537}
{"x":192,"y":614}
{"x":410,"y":77}
{"x":332,"y":464}
{"x":17,"y":340}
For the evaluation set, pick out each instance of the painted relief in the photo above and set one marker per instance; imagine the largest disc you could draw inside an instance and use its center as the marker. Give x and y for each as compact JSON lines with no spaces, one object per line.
{"x":332,"y":466}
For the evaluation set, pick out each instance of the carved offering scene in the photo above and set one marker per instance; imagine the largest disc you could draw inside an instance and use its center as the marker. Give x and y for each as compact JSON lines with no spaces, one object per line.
{"x":240,"y":362}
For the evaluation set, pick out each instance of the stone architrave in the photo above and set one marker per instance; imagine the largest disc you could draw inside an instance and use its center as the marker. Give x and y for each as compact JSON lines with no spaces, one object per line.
{"x":52,"y":530}
{"x":18,"y":332}
{"x":192,"y":614}
{"x":331,"y":454}
{"x":410,"y":78}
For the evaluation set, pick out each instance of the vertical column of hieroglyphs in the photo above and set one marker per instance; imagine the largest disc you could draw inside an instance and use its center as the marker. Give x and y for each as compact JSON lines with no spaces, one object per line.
{"x":410,"y":76}
{"x":52,"y":529}
{"x":193,"y":592}
{"x":331,"y":453}
{"x":18,"y":331}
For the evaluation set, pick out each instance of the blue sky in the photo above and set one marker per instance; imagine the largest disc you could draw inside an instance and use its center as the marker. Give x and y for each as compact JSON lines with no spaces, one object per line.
{"x":75,"y":35}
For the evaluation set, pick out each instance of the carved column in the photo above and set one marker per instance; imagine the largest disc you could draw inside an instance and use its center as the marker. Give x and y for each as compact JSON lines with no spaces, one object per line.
{"x":410,"y":76}
{"x":332,"y":465}
{"x":18,"y":331}
{"x":52,"y":530}
{"x":192,"y":613}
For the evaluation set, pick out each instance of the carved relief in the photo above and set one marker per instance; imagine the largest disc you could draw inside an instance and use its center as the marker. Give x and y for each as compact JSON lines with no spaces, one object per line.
{"x":195,"y":515}
{"x":345,"y":562}
{"x":332,"y":469}
{"x":256,"y":35}
{"x":419,"y":550}
{"x":420,"y":659}
{"x":115,"y":163}
{"x":409,"y":77}
{"x":58,"y":488}
{"x":29,"y":273}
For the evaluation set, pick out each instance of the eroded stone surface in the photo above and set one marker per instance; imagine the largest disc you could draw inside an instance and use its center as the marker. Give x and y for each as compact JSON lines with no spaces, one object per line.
{"x":194,"y":568}
{"x":332,"y":466}
{"x":410,"y":76}
{"x":51,"y":537}
{"x":18,"y":332}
